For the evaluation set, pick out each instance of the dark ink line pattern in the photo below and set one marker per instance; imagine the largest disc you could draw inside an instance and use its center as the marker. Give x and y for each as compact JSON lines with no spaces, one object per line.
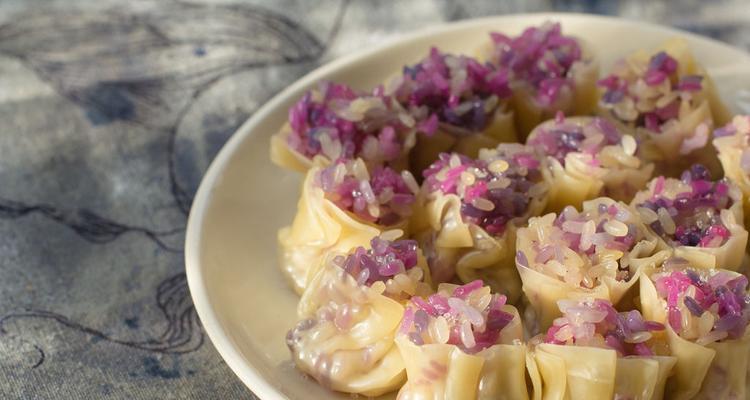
{"x":133,"y":85}
{"x":87,"y":224}
{"x":183,"y":333}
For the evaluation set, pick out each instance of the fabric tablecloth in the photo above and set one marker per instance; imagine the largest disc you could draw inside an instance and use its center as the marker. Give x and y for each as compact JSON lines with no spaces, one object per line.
{"x":110,"y":112}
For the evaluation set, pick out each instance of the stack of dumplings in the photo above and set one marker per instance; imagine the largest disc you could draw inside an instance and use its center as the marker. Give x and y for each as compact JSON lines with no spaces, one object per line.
{"x":514,"y":225}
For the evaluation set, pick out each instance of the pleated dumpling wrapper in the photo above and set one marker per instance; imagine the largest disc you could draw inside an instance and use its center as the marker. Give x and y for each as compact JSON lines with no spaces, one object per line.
{"x":707,"y":313}
{"x":343,"y":205}
{"x":462,"y":343}
{"x":593,"y":352}
{"x":459,"y":104}
{"x":472,"y":209}
{"x":349,"y":315}
{"x":699,"y":218}
{"x":586,"y":158}
{"x":732,"y":141}
{"x":670,"y":103}
{"x":549,"y":72}
{"x":596,"y":253}
{"x":334,"y":121}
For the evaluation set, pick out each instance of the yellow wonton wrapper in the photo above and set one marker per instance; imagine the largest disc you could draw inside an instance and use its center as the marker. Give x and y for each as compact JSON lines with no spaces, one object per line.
{"x":320,"y":227}
{"x":468,"y":248}
{"x":730,"y":254}
{"x":360,"y":357}
{"x":665,"y":148}
{"x":438,"y":371}
{"x":714,"y":371}
{"x":619,"y":175}
{"x":428,"y":148}
{"x":731,"y":150}
{"x":544,"y":291}
{"x":590,"y":373}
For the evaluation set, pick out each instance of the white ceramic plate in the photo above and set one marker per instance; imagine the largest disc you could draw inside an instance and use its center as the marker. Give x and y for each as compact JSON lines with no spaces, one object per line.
{"x":240,"y":295}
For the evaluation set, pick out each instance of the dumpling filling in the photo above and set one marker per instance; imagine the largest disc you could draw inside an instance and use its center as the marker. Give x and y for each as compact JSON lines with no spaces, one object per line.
{"x":494,"y":189}
{"x":595,"y":323}
{"x":705,"y":306}
{"x":335,"y":121}
{"x":541,"y":57}
{"x":384,"y":197}
{"x":467,"y":316}
{"x":457,"y":93}
{"x":687,"y":212}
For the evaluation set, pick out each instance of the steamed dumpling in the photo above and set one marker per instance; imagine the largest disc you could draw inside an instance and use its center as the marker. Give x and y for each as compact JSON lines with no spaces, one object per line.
{"x":699,"y":218}
{"x":707,"y":313}
{"x":343,"y":205}
{"x":593,"y":352}
{"x":472,"y":209}
{"x":334,"y":121}
{"x":459,"y":103}
{"x":732,"y":141}
{"x":462,"y":343}
{"x":548,"y":72}
{"x":669,"y":101}
{"x":349,"y":314}
{"x":587,"y":158}
{"x":597,"y":252}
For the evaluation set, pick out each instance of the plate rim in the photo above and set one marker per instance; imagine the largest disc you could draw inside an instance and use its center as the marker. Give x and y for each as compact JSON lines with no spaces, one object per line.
{"x":245,"y":371}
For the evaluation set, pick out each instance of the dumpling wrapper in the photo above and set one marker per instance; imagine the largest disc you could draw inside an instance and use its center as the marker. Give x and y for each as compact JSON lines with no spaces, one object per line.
{"x":445,"y":372}
{"x":474,"y":253}
{"x":428,"y":148}
{"x":731,"y":149}
{"x":320,"y":227}
{"x":664,"y":147}
{"x":362,"y":359}
{"x":578,"y":180}
{"x":580,"y":372}
{"x":575,"y":372}
{"x":581,"y":99}
{"x":713,"y":371}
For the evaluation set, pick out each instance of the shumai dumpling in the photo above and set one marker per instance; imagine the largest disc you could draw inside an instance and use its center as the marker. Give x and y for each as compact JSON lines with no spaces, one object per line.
{"x":459,"y":103}
{"x":593,"y":352}
{"x":548,"y":72}
{"x":343,"y":205}
{"x":699,"y":218}
{"x":462,"y":342}
{"x":335,"y":121}
{"x":707,"y":313}
{"x":349,"y":314}
{"x":596,"y":253}
{"x":670,"y":103}
{"x":732,"y":141}
{"x":472,"y":208}
{"x":586,"y":158}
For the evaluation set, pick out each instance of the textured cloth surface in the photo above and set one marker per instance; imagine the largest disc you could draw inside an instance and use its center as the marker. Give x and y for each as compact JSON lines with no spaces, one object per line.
{"x":110,"y":113}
